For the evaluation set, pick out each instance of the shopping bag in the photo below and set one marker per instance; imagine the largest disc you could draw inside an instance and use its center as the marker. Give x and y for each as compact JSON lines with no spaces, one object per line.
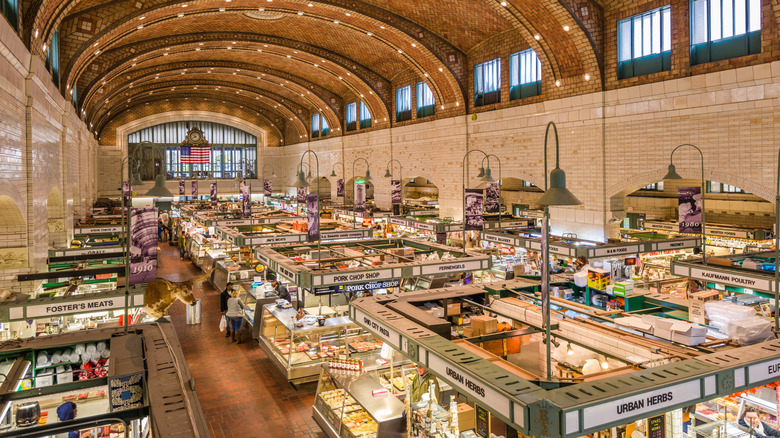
{"x":223,"y":323}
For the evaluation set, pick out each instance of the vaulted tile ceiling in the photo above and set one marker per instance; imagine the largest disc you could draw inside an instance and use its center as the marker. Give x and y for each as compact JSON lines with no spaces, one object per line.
{"x":286,"y":59}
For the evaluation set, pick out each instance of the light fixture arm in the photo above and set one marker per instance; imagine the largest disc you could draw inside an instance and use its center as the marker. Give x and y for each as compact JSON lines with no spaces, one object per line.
{"x":703,"y":191}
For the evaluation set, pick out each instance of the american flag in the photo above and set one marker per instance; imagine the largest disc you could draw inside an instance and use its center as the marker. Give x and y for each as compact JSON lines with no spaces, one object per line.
{"x":195,"y":154}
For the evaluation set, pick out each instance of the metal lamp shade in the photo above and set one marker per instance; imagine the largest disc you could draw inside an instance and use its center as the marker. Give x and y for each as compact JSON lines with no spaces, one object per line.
{"x":672,"y":173}
{"x":136,"y":180}
{"x":558,"y":194}
{"x":481,"y":172}
{"x":388,"y":174}
{"x":368,"y":175}
{"x":488,"y":177}
{"x":301,"y":181}
{"x":333,"y":173}
{"x":273,"y":173}
{"x":159,"y":190}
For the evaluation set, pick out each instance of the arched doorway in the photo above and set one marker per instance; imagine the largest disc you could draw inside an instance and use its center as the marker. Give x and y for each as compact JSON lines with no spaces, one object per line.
{"x":13,"y":232}
{"x":55,"y":219}
{"x":420,"y":191}
{"x":324,"y":187}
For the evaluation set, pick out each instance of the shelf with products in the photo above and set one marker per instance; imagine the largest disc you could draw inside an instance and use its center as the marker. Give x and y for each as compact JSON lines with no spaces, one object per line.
{"x":353,"y":404}
{"x":298,"y":347}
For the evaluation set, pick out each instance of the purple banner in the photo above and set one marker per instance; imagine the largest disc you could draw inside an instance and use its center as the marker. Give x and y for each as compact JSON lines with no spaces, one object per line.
{"x":492,"y":198}
{"x":312,"y":217}
{"x":194,"y":189}
{"x":181,"y":187}
{"x":301,"y":198}
{"x":246,"y":198}
{"x":213,"y":193}
{"x":340,"y":187}
{"x":143,"y":245}
{"x":395,"y":191}
{"x":125,"y":196}
{"x":472,"y":216}
{"x":360,"y":197}
{"x":689,"y":209}
{"x":267,"y":187}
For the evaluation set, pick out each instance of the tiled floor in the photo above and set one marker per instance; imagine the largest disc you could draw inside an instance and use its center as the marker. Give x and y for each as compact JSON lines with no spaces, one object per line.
{"x":241,"y":392}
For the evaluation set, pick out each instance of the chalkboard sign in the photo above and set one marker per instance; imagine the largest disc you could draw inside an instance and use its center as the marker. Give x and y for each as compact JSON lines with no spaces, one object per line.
{"x":656,"y":427}
{"x":483,"y":421}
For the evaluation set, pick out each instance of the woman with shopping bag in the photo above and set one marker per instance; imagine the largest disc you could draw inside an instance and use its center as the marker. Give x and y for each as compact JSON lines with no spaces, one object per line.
{"x":234,"y":314}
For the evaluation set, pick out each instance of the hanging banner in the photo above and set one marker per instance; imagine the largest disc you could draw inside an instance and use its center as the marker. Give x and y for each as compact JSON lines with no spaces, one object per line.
{"x":246,"y":198}
{"x":181,"y":187}
{"x":125,"y":195}
{"x":340,"y":188}
{"x":194,"y":189}
{"x":312,"y":217}
{"x":143,"y":245}
{"x":474,"y":206}
{"x":689,"y":209}
{"x":360,"y":197}
{"x":395,"y":191}
{"x":267,"y":187}
{"x":492,"y":198}
{"x":301,"y":195}
{"x":213,"y":193}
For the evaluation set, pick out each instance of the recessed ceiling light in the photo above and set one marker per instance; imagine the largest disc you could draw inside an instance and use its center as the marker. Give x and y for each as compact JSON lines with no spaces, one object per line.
{"x":230,"y":47}
{"x":300,"y":12}
{"x":566,"y":28}
{"x":381,"y":27}
{"x":537,"y":37}
{"x":97,"y":52}
{"x":139,"y":28}
{"x":316,"y":65}
{"x":233,"y":42}
{"x":142,"y":18}
{"x":197,"y":49}
{"x":587,"y":76}
{"x":184,"y":5}
{"x":414,"y":45}
{"x":400,"y":51}
{"x":181,"y":15}
{"x":503,"y":3}
{"x":200,"y":44}
{"x":259,"y":50}
{"x":289,"y":56}
{"x":558,"y":83}
{"x":335,"y":21}
{"x":221,"y":9}
{"x":45,"y":47}
{"x":36,"y":33}
{"x":441,"y":69}
{"x":369,"y":34}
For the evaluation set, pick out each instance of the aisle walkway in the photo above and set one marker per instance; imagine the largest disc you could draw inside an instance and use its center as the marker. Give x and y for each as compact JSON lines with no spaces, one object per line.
{"x":241,"y":391}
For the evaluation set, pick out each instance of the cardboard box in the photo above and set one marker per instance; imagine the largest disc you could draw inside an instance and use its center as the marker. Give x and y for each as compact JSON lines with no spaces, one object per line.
{"x":665,"y":324}
{"x":467,"y":417}
{"x":705,"y":295}
{"x":598,"y":278}
{"x":688,"y":340}
{"x":483,"y":325}
{"x":663,"y":334}
{"x":691,"y":330}
{"x":467,"y":332}
{"x":453,"y":309}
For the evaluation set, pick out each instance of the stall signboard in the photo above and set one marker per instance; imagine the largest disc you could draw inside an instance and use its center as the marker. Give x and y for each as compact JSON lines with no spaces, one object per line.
{"x":246,"y":198}
{"x":764,"y":371}
{"x":182,"y":191}
{"x":454,"y":266}
{"x":378,"y":328}
{"x":613,"y":251}
{"x":360,"y":197}
{"x":213,"y":194}
{"x":83,"y":306}
{"x":284,"y":238}
{"x":473,"y":214}
{"x":730,"y":279}
{"x":354,"y":277}
{"x":340,"y":188}
{"x":492,"y":198}
{"x":678,"y":244}
{"x":267,"y":188}
{"x":689,"y":209}
{"x":661,"y":226}
{"x":361,"y":287}
{"x":483,"y":421}
{"x":313,"y":217}
{"x":80,"y":231}
{"x":656,"y":400}
{"x":397,"y":221}
{"x":337,"y":235}
{"x":501,"y":238}
{"x":194,"y":189}
{"x":143,"y":245}
{"x":469,"y":385}
{"x":422,"y":225}
{"x":109,"y":250}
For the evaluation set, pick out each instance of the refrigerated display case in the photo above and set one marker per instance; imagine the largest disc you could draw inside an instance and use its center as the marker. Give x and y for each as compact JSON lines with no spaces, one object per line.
{"x":298,"y":347}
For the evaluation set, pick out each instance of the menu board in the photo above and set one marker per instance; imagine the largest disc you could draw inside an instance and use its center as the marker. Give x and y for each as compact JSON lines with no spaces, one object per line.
{"x":483,"y":421}
{"x":656,"y":427}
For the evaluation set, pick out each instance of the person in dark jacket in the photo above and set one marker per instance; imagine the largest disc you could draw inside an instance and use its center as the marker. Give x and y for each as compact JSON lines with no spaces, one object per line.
{"x":223,"y":305}
{"x":758,"y":428}
{"x":67,"y":412}
{"x":281,"y":290}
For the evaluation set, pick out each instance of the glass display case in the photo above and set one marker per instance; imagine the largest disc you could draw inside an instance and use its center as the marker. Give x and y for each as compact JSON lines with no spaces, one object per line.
{"x":345,"y":406}
{"x":254,"y":294}
{"x":227,"y":271}
{"x":298,"y":347}
{"x":200,"y":244}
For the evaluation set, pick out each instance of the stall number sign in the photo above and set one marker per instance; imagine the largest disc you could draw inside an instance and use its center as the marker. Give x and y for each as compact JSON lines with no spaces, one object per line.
{"x":617,"y":250}
{"x":379,"y":329}
{"x":473,"y":265}
{"x":765,"y":371}
{"x":737,"y":280}
{"x":469,"y":385}
{"x":641,"y":404}
{"x":355,"y":277}
{"x":75,"y":307}
{"x":677,"y":245}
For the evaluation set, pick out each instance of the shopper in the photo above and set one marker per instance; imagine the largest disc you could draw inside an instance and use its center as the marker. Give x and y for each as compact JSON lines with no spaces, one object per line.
{"x":281,"y":290}
{"x":182,"y":245}
{"x":758,"y":428}
{"x":159,"y":229}
{"x":223,"y":305}
{"x":67,"y":412}
{"x":235,"y":315}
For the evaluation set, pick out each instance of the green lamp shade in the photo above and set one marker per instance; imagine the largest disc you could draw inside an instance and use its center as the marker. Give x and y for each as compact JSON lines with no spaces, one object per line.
{"x":388,"y":174}
{"x":273,"y":173}
{"x":301,"y":181}
{"x":360,"y":181}
{"x":159,"y":190}
{"x":488,"y":177}
{"x":558,"y":194}
{"x":672,"y":173}
{"x":368,"y":175}
{"x":481,"y":172}
{"x":333,"y":172}
{"x":136,"y":180}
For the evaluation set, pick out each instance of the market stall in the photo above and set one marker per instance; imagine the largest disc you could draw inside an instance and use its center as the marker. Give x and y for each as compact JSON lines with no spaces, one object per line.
{"x":721,"y":239}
